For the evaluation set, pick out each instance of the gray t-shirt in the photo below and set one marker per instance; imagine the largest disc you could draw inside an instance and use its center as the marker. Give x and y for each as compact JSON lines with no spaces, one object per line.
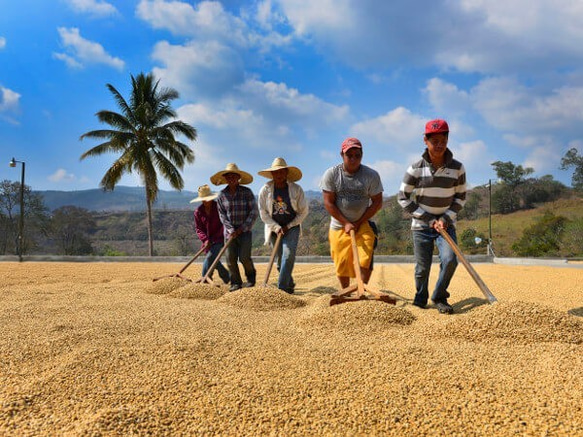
{"x":353,"y":191}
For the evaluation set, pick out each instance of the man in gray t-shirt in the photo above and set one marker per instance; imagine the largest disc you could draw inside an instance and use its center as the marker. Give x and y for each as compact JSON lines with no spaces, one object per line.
{"x":353,"y":193}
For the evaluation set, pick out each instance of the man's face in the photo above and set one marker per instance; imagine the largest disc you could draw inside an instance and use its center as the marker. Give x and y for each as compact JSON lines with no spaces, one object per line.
{"x":437,"y":144}
{"x":232,"y":179}
{"x":351,"y":159}
{"x":280,"y":176}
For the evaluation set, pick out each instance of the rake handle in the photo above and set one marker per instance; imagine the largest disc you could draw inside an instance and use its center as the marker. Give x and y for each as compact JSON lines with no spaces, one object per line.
{"x":485,"y":290}
{"x":356,"y":262}
{"x":192,"y":260}
{"x":273,"y":253}
{"x":217,"y":259}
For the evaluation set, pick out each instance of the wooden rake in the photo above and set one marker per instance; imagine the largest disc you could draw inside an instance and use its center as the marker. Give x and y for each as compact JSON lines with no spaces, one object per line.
{"x":179,"y":274}
{"x":206,"y":279}
{"x":272,"y":258}
{"x":357,"y":291}
{"x":491,"y":298}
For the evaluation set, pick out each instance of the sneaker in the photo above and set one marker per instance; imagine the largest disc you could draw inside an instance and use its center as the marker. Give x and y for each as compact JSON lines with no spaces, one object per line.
{"x":443,"y":307}
{"x":249,"y":284}
{"x":235,"y":287}
{"x":420,"y":304}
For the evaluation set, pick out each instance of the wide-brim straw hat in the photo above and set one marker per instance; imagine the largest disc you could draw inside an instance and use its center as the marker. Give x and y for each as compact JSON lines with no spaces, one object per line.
{"x":204,"y":194}
{"x":294,"y":174}
{"x":219,"y":177}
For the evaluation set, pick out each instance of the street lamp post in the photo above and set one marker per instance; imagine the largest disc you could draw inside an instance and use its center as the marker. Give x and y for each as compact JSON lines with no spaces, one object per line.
{"x":490,"y":250}
{"x":21,"y":220}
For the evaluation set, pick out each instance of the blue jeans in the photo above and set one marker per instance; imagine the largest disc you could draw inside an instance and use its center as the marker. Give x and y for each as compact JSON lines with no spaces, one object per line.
{"x":286,"y":257}
{"x":211,"y":255}
{"x":240,"y":250}
{"x":423,"y":241}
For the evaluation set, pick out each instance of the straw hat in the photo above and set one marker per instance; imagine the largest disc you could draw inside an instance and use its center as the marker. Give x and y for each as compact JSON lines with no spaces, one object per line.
{"x":219,"y":177}
{"x":204,"y":194}
{"x":294,"y":173}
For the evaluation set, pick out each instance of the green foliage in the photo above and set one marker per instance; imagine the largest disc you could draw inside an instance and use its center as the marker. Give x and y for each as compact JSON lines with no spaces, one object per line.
{"x":393,"y":226}
{"x":71,"y":227}
{"x":573,"y":159}
{"x":143,"y":136}
{"x":110,"y":251}
{"x":543,"y":238}
{"x":510,"y":174}
{"x":472,"y":207}
{"x":468,"y":241}
{"x":36,"y":218}
{"x":514,"y":192}
{"x":572,"y":242}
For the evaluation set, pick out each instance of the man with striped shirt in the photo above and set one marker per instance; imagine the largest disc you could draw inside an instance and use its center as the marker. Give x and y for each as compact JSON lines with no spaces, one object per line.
{"x":433,"y":191}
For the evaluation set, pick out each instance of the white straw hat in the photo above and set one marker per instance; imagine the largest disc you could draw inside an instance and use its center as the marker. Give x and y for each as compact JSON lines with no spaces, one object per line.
{"x":204,"y":194}
{"x":294,"y":173}
{"x":219,"y":177}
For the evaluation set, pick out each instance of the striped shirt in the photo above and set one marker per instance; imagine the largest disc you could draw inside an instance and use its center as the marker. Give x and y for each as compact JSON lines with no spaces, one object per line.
{"x":429,"y":194}
{"x":237,"y":210}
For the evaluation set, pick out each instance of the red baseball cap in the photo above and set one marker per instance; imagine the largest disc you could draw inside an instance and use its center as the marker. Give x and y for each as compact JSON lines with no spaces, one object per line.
{"x":437,"y":126}
{"x":350,"y":143}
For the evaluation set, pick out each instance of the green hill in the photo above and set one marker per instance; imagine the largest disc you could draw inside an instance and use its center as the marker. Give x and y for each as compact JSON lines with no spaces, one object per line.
{"x":508,"y":228}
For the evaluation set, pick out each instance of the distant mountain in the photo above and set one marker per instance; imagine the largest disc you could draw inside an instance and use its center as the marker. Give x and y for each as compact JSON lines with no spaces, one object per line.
{"x":126,"y":199}
{"x":120,"y":199}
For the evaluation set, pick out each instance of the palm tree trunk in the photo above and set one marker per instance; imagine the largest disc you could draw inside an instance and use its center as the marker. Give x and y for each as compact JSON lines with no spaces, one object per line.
{"x":150,"y":236}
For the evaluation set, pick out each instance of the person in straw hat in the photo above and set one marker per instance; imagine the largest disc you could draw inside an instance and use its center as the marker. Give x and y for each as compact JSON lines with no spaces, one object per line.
{"x":353,"y":194}
{"x":209,"y":230}
{"x":283,"y":207}
{"x":238,"y":212}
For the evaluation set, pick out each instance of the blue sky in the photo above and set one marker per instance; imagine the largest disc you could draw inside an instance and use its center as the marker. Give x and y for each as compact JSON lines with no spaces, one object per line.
{"x":293,"y":78}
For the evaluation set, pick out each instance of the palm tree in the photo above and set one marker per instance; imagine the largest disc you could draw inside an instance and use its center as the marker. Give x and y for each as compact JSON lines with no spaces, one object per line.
{"x":144,"y":137}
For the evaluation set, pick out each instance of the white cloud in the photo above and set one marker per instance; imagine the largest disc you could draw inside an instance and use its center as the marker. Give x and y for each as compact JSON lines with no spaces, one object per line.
{"x":447,"y":98}
{"x":399,"y":128}
{"x":318,"y":18}
{"x":82,"y":51}
{"x":284,"y":104}
{"x":61,"y":175}
{"x":93,"y":7}
{"x":9,"y":105}
{"x":511,"y":106}
{"x":2,"y":42}
{"x":199,"y":69}
{"x":391,"y":173}
{"x":470,"y":36}
{"x":543,"y":159}
{"x":207,"y":20}
{"x":9,"y":101}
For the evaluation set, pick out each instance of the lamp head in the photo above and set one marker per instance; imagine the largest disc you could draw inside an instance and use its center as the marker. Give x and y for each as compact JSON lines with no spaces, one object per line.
{"x":13,"y":163}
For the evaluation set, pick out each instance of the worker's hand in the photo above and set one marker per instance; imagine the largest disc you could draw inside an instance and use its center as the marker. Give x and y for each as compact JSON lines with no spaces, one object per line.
{"x":283,"y":230}
{"x":440,"y":224}
{"x":237,"y":232}
{"x":349,"y":227}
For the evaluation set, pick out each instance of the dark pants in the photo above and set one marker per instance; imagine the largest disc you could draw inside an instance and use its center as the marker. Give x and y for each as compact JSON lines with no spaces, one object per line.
{"x":240,"y":250}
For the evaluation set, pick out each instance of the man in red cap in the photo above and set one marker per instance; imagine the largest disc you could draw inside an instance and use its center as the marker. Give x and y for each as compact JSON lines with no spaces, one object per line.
{"x":353,"y":193}
{"x":433,"y":191}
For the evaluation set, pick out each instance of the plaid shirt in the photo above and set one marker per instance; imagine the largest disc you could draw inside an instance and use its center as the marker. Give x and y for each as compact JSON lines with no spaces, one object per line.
{"x":237,"y":210}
